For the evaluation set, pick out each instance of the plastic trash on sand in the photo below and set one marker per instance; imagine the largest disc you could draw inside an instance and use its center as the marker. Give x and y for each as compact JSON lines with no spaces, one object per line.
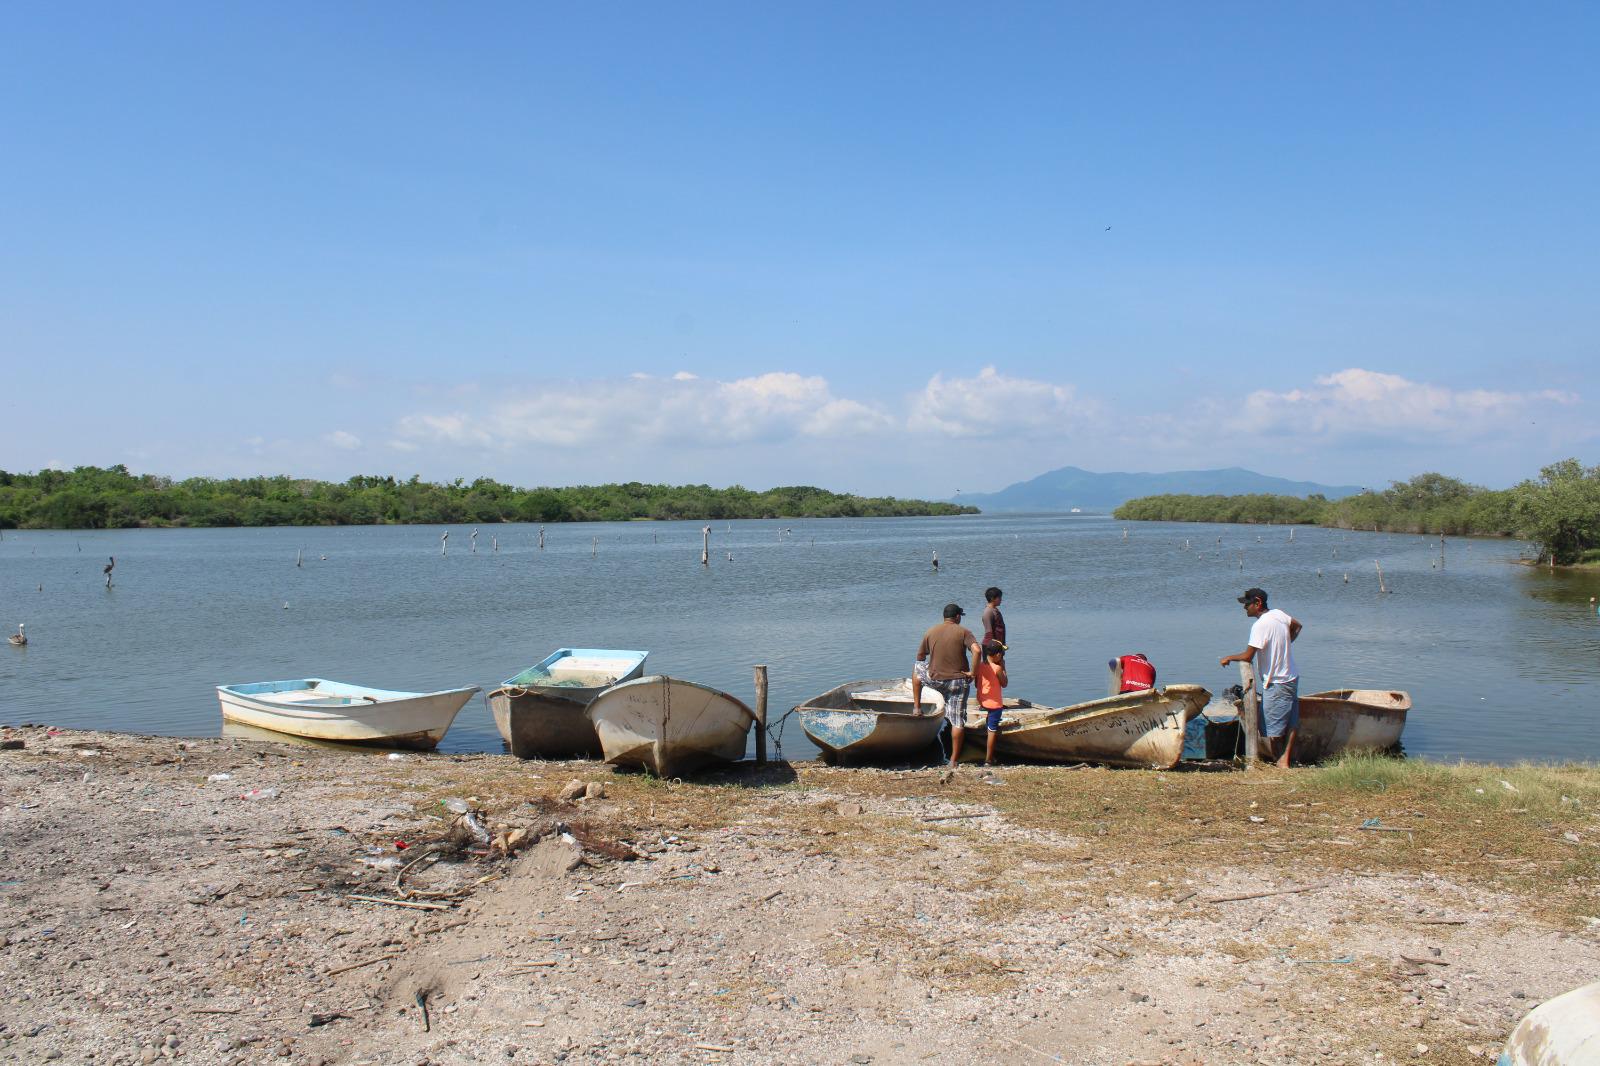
{"x":219,"y":777}
{"x":260,"y":794}
{"x":468,"y":819}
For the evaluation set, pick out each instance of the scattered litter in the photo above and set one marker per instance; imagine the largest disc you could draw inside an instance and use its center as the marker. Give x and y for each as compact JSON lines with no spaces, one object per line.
{"x":219,"y":777}
{"x":1257,"y":818}
{"x":395,"y":756}
{"x":383,"y":862}
{"x":260,"y":794}
{"x":1508,"y":786}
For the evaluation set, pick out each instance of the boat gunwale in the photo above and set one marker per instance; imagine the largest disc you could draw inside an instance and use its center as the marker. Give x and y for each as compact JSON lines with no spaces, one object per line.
{"x":621,"y":655}
{"x":849,"y":688}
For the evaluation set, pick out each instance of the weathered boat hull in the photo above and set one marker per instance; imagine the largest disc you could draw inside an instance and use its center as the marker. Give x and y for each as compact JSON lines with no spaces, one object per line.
{"x":540,"y":712}
{"x":871,"y":721}
{"x":669,"y":727}
{"x":1564,"y":1031}
{"x":319,"y":709}
{"x":1349,"y":720}
{"x":1137,"y":729}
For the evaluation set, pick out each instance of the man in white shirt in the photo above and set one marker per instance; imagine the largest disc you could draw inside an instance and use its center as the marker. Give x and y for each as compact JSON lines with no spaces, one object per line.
{"x":1271,"y":634}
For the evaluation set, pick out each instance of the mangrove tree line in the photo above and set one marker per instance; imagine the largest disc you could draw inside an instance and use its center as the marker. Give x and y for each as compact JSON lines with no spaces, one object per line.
{"x":90,"y":497}
{"x":1559,"y":510}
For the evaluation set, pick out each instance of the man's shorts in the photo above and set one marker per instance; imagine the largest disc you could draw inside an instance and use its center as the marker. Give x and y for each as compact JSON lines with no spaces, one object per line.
{"x":1280,"y":708}
{"x":954,"y":690}
{"x":991,"y":720}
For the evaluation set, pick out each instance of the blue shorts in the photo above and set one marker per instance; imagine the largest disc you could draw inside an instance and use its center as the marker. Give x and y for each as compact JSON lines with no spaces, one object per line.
{"x":991,"y":720}
{"x":1280,"y":708}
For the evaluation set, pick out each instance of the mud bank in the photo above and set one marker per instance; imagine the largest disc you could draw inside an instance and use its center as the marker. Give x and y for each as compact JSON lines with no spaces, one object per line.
{"x":151,"y":911}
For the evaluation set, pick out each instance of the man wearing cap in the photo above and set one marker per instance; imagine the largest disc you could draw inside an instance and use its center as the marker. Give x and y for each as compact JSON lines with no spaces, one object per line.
{"x":942,"y":666}
{"x":1271,"y":634}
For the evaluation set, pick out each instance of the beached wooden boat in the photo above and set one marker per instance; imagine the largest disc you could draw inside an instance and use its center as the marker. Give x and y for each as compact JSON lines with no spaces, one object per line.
{"x":351,"y":714}
{"x":1349,"y":720}
{"x":871,"y":720}
{"x":1143,"y":729}
{"x":668,"y":726}
{"x":1563,"y":1031}
{"x":539,"y":712}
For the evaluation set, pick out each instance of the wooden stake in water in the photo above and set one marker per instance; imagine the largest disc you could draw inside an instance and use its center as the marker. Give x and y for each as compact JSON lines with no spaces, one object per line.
{"x":473,"y":541}
{"x":705,"y":545}
{"x":1381,"y":586}
{"x":110,"y":566}
{"x":936,"y":561}
{"x":494,"y":543}
{"x":444,"y":542}
{"x":541,"y":538}
{"x":594,"y":547}
{"x":299,"y":553}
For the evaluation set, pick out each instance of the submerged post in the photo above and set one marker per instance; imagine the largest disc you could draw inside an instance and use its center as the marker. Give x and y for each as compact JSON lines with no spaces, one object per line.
{"x":761,"y":715}
{"x":1249,"y":714}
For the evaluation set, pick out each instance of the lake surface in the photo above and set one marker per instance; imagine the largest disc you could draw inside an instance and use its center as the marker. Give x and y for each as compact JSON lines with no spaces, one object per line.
{"x":1502,"y":660}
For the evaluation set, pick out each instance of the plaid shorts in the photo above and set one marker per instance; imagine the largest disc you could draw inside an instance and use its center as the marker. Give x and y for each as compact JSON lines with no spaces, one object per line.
{"x":953,"y":689}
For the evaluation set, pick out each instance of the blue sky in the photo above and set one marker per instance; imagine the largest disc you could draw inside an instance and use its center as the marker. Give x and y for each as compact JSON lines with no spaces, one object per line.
{"x":881,"y":248}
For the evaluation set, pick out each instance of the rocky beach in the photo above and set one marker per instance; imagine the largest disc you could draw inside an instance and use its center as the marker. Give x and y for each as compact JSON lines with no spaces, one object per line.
{"x":229,"y":901}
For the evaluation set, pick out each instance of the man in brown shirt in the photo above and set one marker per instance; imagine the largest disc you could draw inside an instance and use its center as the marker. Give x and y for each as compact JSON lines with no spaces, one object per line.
{"x":942,"y":666}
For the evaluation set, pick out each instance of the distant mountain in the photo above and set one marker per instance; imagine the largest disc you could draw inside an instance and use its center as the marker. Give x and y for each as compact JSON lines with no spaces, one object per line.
{"x":1069,"y":487}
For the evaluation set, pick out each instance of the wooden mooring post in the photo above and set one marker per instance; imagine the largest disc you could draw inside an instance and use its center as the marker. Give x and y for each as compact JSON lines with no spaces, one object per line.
{"x":1250,"y":714}
{"x":761,"y":715}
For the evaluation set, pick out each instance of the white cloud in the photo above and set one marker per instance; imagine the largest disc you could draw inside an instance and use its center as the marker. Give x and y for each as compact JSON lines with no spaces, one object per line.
{"x":1356,"y":402}
{"x":683,"y":410}
{"x":341,"y":439}
{"x":993,"y":404}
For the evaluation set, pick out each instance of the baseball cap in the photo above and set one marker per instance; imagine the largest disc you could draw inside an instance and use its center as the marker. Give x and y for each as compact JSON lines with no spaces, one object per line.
{"x":1253,"y":594}
{"x":952,"y":610}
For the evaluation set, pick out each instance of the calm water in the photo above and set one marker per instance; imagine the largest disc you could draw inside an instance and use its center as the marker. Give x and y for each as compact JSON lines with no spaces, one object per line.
{"x":1502,"y":661}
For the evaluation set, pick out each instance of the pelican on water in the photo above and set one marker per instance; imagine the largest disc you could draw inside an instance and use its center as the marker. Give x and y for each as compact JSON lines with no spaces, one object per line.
{"x":19,"y":638}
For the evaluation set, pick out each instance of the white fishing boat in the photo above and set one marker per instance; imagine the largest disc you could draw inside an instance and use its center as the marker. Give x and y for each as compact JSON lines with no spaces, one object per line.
{"x":1143,"y":728}
{"x":871,"y":720}
{"x":539,"y":712}
{"x":668,"y":726}
{"x":351,"y":714}
{"x":1349,"y":720}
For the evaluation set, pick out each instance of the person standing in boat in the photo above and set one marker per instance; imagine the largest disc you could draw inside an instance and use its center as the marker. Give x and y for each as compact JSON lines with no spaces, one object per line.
{"x":1271,"y":633}
{"x":942,"y":666}
{"x":990,"y":677}
{"x":994,"y":623}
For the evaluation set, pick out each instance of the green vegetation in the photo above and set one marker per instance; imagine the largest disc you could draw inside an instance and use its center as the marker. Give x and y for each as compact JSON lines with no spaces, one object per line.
{"x":1559,"y":511}
{"x":112,"y":498}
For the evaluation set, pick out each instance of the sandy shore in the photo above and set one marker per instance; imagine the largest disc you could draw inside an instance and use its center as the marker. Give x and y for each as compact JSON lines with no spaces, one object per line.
{"x":796,"y":914}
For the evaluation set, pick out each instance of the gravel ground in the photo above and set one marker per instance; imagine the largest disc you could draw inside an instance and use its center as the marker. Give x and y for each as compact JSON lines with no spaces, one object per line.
{"x":154,"y":910}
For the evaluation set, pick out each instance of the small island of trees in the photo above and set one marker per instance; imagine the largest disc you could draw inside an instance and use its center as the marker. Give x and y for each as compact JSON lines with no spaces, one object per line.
{"x":90,"y":497}
{"x":1559,"y":510}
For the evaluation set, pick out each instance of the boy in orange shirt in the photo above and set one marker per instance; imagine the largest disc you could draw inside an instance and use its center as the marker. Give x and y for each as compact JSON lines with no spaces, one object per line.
{"x":991,"y":678}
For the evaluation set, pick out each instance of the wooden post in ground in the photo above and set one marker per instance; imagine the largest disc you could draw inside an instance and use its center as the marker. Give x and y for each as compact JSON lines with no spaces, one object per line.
{"x":1249,"y":714}
{"x":761,"y":715}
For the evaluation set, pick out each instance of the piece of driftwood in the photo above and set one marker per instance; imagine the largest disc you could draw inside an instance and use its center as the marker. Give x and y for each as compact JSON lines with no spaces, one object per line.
{"x":1437,"y":921}
{"x":364,"y":962}
{"x":1260,"y":895}
{"x":1424,"y":962}
{"x":950,"y":817}
{"x":216,"y":1010}
{"x":401,"y":903}
{"x":724,"y":1048}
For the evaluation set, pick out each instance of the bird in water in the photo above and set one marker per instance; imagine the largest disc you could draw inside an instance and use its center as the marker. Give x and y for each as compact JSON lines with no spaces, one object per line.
{"x":19,"y":638}
{"x":112,"y":565}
